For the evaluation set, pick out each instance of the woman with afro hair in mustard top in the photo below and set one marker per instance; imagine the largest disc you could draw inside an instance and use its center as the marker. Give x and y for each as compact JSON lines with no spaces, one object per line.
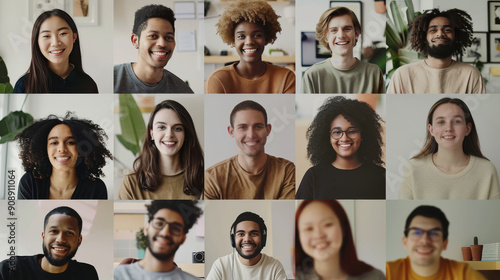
{"x":249,"y":26}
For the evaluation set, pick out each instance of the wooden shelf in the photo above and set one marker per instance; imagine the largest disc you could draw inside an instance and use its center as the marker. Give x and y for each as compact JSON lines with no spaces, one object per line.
{"x":221,"y":59}
{"x":486,"y":265}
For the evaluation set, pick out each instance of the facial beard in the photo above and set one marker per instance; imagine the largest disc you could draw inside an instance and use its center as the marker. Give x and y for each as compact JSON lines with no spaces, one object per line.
{"x":162,"y":256}
{"x":248,"y":257}
{"x":55,"y":262}
{"x":441,"y":51}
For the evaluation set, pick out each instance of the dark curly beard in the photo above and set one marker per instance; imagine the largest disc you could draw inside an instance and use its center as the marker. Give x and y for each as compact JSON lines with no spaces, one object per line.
{"x":441,"y":51}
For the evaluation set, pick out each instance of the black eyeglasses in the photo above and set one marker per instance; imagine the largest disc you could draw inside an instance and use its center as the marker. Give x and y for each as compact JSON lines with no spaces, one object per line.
{"x":415,"y":233}
{"x":174,"y":228}
{"x":351,"y":133}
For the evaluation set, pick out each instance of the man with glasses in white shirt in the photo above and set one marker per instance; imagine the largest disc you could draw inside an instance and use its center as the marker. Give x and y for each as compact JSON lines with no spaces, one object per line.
{"x":168,"y":223}
{"x":425,"y":237}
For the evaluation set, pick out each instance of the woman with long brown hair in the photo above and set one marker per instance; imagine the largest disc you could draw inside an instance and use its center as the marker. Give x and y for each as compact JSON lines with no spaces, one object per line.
{"x":56,"y":59}
{"x":451,"y":164}
{"x":170,"y":164}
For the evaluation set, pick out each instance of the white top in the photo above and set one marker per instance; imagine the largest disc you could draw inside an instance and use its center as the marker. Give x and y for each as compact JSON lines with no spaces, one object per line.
{"x":423,"y":180}
{"x":229,"y":267}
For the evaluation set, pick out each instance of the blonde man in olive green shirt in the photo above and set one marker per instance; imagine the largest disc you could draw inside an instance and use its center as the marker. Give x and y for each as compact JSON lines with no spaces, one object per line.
{"x":338,"y":30}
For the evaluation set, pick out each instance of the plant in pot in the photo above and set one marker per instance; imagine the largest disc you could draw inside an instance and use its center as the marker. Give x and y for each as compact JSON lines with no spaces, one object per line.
{"x":140,"y":239}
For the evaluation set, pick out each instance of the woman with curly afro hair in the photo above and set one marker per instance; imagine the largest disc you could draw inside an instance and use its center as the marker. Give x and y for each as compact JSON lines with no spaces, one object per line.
{"x":344,"y":146}
{"x":249,"y":26}
{"x":63,"y":159}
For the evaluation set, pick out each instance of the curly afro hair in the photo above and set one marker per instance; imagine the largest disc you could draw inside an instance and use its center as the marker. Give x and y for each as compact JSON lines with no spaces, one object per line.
{"x":188,"y":209}
{"x":90,"y":138}
{"x":319,"y":148}
{"x":256,"y":11}
{"x":460,"y":21}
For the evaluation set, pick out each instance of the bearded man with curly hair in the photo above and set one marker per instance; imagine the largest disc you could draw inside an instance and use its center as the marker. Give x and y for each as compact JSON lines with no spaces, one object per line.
{"x":439,"y":35}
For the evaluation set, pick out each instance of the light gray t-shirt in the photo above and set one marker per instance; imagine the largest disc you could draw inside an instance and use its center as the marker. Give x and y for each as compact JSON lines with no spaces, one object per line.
{"x":127,"y":82}
{"x":230,"y":268}
{"x":135,"y":272}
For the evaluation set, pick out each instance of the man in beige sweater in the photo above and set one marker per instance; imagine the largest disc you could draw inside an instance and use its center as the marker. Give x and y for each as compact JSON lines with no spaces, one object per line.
{"x":251,"y":174}
{"x":439,"y":35}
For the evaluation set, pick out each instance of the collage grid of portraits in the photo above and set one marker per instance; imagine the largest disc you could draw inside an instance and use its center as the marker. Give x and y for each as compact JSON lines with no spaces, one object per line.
{"x":110,"y":225}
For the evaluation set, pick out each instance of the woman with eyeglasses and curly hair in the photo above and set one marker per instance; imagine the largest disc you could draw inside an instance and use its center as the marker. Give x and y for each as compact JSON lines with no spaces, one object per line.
{"x":248,"y":26}
{"x":345,"y":148}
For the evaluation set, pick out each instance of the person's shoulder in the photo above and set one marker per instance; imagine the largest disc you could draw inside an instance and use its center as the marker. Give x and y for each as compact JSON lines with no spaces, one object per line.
{"x":20,"y":87}
{"x":410,"y":67}
{"x":484,"y":163}
{"x":222,"y":165}
{"x":176,"y":83}
{"x":317,"y":67}
{"x":279,"y":160}
{"x":368,"y":65}
{"x":268,"y":260}
{"x":222,"y":72}
{"x":375,"y":168}
{"x":184,"y":275}
{"x":121,"y":67}
{"x":396,"y":264}
{"x":280,"y":70}
{"x":84,"y":267}
{"x":464,"y":66}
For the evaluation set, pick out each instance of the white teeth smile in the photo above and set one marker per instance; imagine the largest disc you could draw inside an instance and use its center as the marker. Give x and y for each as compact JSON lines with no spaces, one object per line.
{"x":247,"y":246}
{"x":321,"y":245}
{"x":342,"y":43}
{"x":160,"y":54}
{"x":56,"y":52}
{"x":251,"y":143}
{"x":249,"y":50}
{"x":345,"y":145}
{"x":448,"y":137}
{"x":169,"y":143}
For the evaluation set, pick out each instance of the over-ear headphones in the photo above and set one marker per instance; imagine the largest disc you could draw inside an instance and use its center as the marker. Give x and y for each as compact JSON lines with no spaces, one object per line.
{"x":249,"y":216}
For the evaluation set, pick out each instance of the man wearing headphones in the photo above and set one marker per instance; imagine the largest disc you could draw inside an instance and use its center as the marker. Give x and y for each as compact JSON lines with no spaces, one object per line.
{"x":248,"y":236}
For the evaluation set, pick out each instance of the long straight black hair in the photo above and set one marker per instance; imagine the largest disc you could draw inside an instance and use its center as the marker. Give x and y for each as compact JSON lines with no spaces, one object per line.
{"x":38,"y":78}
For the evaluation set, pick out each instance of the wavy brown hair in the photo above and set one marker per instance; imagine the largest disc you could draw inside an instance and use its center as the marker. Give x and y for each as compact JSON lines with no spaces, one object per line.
{"x":90,"y":139}
{"x":147,"y":164}
{"x":460,"y":21}
{"x":470,"y":145}
{"x":349,"y":261}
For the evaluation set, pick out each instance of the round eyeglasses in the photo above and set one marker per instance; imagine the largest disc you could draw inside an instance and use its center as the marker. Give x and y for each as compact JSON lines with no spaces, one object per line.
{"x":174,"y":228}
{"x":351,"y":133}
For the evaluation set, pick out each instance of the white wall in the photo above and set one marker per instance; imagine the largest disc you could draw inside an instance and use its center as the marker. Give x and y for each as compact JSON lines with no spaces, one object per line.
{"x":194,"y":105}
{"x":370,"y":232}
{"x":97,"y":108}
{"x":95,"y":42}
{"x":407,"y":125}
{"x":279,"y":219}
{"x":308,"y":13}
{"x":186,"y":65}
{"x":468,"y":218}
{"x":280,"y":114}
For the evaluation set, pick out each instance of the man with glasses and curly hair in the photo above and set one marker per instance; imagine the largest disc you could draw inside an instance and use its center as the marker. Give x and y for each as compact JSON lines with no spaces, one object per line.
{"x":439,"y":35}
{"x":168,"y":223}
{"x":425,"y":237}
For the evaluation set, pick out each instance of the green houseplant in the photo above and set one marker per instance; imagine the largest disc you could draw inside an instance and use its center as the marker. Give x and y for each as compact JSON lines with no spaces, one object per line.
{"x":398,"y":35}
{"x":131,"y":123}
{"x":5,"y":86}
{"x":140,"y":239}
{"x":14,"y":123}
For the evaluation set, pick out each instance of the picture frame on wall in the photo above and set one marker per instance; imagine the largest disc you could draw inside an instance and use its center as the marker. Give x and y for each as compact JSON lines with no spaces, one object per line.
{"x":494,"y":47}
{"x":83,"y":12}
{"x":312,"y":51}
{"x":479,"y":48}
{"x":494,"y":15}
{"x":356,"y":7}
